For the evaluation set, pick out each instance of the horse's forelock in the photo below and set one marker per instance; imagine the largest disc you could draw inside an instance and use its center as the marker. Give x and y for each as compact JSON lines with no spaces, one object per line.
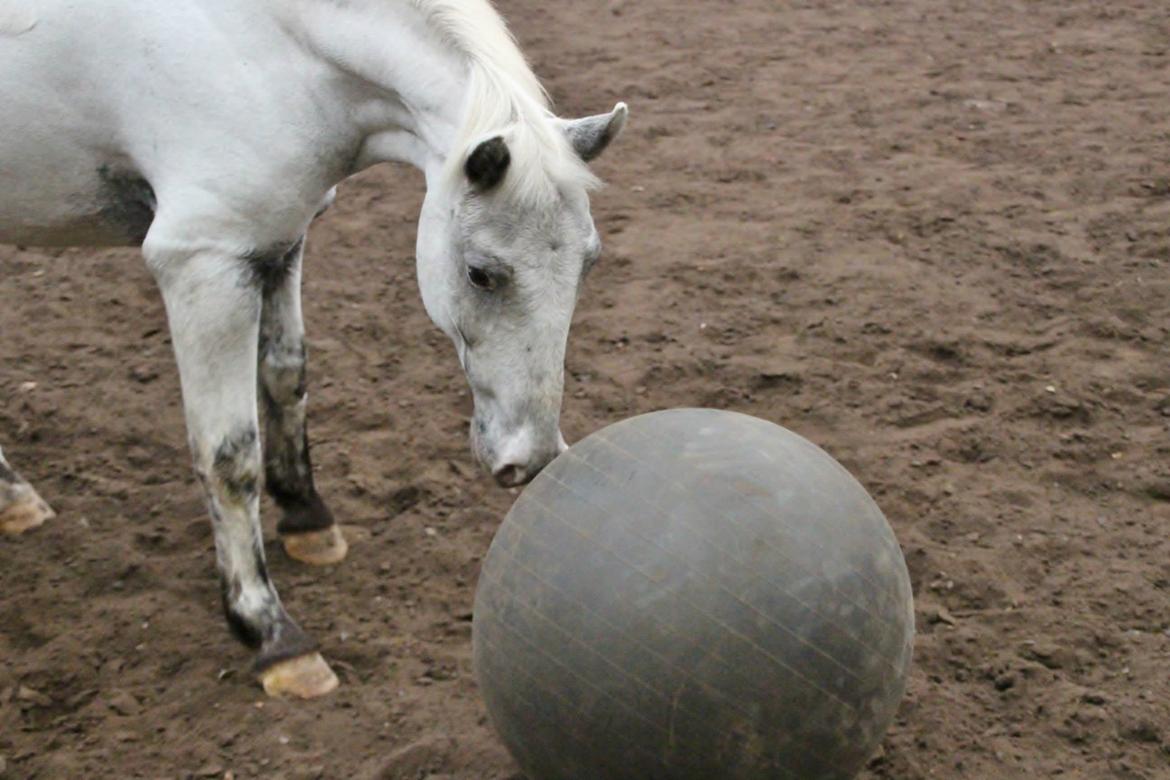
{"x":505,"y":98}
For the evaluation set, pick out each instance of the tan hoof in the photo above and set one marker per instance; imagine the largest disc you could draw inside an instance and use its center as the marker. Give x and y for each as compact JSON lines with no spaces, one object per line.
{"x":304,"y":677}
{"x":317,"y":548}
{"x":26,"y":512}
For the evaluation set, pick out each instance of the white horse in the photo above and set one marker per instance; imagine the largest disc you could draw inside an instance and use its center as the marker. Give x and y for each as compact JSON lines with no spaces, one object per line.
{"x":211,"y":133}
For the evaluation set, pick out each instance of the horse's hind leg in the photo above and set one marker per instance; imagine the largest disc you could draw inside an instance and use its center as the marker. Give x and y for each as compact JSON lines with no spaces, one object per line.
{"x":213,"y":306}
{"x":307,"y":528}
{"x":21,"y":509}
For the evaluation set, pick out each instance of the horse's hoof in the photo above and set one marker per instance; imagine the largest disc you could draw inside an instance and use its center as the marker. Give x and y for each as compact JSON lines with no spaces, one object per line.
{"x":27,"y":512}
{"x":303,"y":677}
{"x":317,"y":548}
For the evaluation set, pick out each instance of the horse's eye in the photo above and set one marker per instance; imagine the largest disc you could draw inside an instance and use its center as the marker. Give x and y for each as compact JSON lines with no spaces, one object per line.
{"x":480,"y":278}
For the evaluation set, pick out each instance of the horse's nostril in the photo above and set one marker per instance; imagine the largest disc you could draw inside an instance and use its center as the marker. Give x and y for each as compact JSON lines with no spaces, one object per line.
{"x":510,"y":475}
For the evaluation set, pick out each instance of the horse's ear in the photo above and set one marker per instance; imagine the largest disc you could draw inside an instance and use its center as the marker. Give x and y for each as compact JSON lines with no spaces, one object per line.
{"x":590,"y":136}
{"x":487,"y":163}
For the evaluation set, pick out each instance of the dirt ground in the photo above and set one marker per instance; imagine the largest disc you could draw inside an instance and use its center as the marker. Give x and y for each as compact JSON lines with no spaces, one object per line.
{"x":933,"y":237}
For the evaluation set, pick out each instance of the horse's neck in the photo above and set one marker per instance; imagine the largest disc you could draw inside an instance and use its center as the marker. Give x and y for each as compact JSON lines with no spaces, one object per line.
{"x":410,"y":86}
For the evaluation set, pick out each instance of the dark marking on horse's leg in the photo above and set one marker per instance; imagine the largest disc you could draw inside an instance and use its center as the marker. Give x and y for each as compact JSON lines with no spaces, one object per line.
{"x":270,"y":267}
{"x":288,"y":469}
{"x":307,"y":527}
{"x":287,"y":660}
{"x":250,"y":603}
{"x":234,"y":467}
{"x":304,"y":509}
{"x":21,"y":509}
{"x":128,"y":203}
{"x":263,"y":625}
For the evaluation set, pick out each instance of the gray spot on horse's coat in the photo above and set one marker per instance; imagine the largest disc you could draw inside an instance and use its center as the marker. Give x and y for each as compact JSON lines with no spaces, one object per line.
{"x":127,"y":202}
{"x":234,"y":467}
{"x":270,"y":267}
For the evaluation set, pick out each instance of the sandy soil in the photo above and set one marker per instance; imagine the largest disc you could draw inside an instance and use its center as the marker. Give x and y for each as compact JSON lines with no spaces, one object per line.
{"x":933,"y":237}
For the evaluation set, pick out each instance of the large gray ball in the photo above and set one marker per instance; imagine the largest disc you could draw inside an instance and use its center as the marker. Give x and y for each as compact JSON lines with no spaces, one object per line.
{"x":693,"y":595}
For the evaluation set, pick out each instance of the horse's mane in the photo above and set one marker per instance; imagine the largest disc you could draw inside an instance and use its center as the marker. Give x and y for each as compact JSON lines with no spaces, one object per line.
{"x":505,"y":97}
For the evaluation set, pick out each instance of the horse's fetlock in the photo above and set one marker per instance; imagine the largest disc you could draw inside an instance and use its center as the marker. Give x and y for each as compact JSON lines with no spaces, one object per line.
{"x":284,"y":379}
{"x":252,"y":610}
{"x":242,"y":626}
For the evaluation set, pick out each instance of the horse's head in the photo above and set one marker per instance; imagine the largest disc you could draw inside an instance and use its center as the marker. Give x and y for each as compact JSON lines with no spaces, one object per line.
{"x":504,"y":242}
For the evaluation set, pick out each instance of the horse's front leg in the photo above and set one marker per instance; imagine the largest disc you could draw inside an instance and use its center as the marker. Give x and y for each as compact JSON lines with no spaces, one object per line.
{"x":307,"y":528}
{"x":21,"y":509}
{"x":213,"y":305}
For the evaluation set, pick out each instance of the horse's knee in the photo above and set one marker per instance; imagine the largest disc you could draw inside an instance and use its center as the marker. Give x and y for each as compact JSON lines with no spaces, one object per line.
{"x":282,"y":373}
